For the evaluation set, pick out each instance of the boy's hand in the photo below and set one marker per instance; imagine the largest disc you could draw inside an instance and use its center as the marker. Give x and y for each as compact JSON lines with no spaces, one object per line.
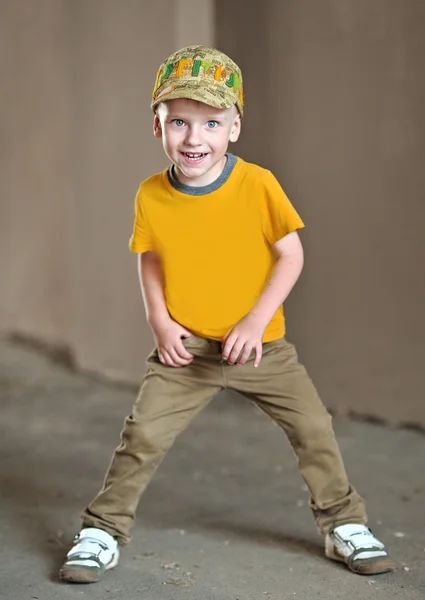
{"x":168,"y":337}
{"x":239,"y":341}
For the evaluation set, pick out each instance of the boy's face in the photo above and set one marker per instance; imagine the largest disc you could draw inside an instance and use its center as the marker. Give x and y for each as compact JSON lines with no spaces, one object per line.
{"x":195,"y":137}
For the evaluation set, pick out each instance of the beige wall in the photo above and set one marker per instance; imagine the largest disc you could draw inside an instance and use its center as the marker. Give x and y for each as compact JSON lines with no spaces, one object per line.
{"x":77,"y":141}
{"x":335,"y":96}
{"x":338,"y":93}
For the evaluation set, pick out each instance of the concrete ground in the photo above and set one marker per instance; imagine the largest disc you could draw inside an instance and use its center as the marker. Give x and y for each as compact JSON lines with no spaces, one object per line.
{"x":226,"y":517}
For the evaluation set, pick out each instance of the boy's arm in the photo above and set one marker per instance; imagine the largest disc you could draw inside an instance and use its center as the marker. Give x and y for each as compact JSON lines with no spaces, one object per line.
{"x":152,"y":287}
{"x":285,"y":274}
{"x":166,"y":331}
{"x":248,"y":333}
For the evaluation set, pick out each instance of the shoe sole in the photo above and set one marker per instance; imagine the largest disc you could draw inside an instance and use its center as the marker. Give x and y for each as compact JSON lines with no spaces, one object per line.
{"x":80,"y":574}
{"x":364,"y":567}
{"x":375,"y":568}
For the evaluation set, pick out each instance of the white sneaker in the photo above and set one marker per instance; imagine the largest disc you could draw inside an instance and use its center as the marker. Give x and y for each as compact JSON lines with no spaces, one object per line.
{"x":94,"y":552}
{"x":361,"y":551}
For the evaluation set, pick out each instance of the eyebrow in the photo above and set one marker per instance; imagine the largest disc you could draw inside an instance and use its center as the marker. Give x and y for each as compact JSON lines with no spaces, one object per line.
{"x":207,"y":118}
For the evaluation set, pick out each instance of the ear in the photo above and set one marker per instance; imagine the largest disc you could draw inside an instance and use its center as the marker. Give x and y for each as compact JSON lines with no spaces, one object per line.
{"x":236,"y":129}
{"x":157,"y":129}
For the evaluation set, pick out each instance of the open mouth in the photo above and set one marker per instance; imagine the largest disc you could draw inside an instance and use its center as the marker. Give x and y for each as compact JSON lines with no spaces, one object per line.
{"x":194,"y":156}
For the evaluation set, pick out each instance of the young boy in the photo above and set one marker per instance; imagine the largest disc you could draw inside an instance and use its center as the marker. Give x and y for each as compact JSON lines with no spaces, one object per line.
{"x":219,"y":253}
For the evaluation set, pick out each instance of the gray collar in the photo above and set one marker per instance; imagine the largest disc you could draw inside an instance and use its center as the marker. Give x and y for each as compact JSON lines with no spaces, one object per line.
{"x":204,"y":189}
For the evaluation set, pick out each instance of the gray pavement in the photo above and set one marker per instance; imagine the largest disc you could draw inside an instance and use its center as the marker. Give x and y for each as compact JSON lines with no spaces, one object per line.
{"x":226,"y":517}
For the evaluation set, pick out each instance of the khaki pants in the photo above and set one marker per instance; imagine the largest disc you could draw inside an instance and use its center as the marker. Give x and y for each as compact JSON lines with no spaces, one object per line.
{"x":171,"y":397}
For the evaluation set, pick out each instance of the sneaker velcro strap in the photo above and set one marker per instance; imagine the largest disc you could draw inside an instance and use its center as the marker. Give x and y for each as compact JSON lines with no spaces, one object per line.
{"x":98,"y":535}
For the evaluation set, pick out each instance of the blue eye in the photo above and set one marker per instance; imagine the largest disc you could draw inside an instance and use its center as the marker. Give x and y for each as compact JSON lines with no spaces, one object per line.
{"x":212,"y":124}
{"x":179,"y":122}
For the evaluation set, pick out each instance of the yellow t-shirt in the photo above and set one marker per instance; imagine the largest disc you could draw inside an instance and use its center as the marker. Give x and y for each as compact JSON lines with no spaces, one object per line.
{"x":216,"y":248}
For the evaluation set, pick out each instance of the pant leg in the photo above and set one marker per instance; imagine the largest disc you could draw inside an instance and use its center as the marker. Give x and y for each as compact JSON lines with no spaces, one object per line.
{"x":169,"y":399}
{"x":281,"y":387}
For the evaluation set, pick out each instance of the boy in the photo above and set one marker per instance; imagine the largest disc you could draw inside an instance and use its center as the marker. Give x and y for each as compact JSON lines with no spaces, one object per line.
{"x":219,"y":253}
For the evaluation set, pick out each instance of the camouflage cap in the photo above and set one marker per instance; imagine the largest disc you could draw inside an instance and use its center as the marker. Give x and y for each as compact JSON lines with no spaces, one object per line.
{"x":200,"y":73}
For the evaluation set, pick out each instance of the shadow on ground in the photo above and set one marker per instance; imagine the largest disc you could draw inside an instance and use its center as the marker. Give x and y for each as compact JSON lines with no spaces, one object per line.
{"x":220,"y":521}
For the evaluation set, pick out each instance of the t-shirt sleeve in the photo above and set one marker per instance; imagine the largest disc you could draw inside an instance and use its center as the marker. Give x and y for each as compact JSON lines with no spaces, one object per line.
{"x":278,"y":215}
{"x":142,"y":239}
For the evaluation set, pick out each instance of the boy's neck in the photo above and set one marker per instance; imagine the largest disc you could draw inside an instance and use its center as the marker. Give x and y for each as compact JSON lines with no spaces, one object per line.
{"x":204,"y":180}
{"x":201,"y":190}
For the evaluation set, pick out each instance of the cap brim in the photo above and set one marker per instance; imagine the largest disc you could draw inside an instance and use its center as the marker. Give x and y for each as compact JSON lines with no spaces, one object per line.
{"x":211,"y":95}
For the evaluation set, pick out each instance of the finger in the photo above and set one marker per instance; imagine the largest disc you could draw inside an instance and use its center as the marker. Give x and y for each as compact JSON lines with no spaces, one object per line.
{"x":167,"y":359}
{"x":228,"y":346}
{"x":236,"y":350}
{"x":246,"y":353}
{"x":178,"y":360}
{"x":183,"y":353}
{"x":164,"y":358}
{"x":258,"y":354}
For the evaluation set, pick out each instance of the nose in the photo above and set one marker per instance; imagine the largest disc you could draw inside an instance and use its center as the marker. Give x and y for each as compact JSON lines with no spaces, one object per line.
{"x":193,"y":136}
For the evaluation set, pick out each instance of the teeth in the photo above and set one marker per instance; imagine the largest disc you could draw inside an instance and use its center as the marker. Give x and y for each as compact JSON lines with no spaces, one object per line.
{"x":193,"y":155}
